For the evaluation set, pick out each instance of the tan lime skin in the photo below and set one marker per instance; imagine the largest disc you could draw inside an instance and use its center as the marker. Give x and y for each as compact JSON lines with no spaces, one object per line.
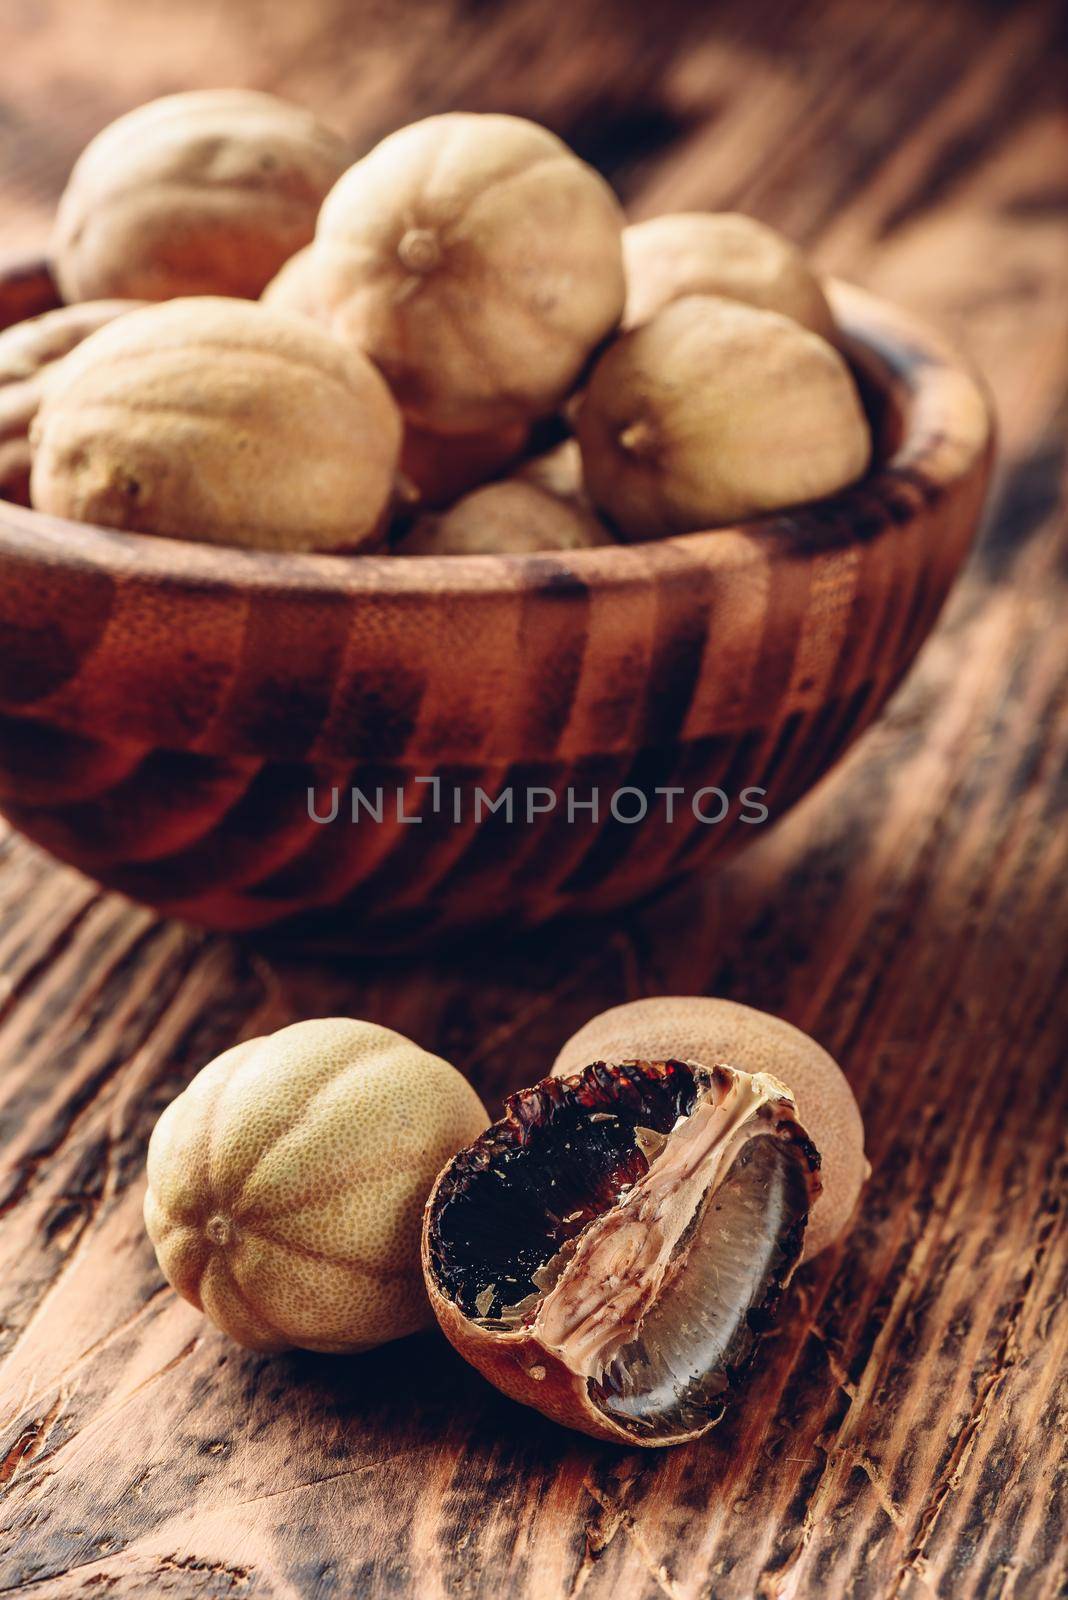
{"x":509,"y":518}
{"x":206,"y":192}
{"x":222,"y":421}
{"x":714,"y":412}
{"x":721,"y":253}
{"x":478,"y":261}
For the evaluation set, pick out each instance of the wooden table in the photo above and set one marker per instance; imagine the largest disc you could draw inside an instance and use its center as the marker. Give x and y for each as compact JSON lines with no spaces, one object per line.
{"x":902,"y":1434}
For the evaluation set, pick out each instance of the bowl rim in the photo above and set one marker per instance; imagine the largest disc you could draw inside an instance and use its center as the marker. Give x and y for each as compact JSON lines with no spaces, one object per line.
{"x":946,"y":425}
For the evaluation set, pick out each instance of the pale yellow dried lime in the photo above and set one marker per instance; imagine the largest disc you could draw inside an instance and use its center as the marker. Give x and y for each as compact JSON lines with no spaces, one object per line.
{"x":286,"y":1184}
{"x":713,"y":412}
{"x":508,"y":518}
{"x":478,"y":262}
{"x":721,"y":253}
{"x":222,"y":421}
{"x":205,"y":192}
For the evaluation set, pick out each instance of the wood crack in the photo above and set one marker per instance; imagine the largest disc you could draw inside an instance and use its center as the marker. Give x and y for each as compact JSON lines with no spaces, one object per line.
{"x":30,"y":1442}
{"x":618,"y":1517}
{"x":1004,"y":1360}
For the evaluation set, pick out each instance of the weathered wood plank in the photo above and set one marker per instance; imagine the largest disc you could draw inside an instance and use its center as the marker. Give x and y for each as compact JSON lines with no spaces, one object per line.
{"x":904,"y":1434}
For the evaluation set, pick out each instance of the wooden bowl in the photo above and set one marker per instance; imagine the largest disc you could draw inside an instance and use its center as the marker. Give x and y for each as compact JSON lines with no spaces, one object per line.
{"x":165,"y":707}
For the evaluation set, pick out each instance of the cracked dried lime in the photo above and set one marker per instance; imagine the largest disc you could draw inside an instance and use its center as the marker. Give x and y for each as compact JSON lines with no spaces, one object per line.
{"x":610,"y":1250}
{"x":706,"y":1029}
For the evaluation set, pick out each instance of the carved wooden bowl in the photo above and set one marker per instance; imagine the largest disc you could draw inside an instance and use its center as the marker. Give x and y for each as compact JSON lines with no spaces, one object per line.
{"x":165,"y":707}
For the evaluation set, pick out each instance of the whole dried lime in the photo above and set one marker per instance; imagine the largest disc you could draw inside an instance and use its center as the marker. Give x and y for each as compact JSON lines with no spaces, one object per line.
{"x":721,"y":253}
{"x":714,"y":411}
{"x":509,"y":518}
{"x":206,"y":192}
{"x":222,"y":421}
{"x":478,"y":262}
{"x":286,"y":1184}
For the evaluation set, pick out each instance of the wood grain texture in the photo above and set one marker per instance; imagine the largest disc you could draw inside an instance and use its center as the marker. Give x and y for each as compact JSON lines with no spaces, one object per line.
{"x":176,"y":703}
{"x":904,"y":1436}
